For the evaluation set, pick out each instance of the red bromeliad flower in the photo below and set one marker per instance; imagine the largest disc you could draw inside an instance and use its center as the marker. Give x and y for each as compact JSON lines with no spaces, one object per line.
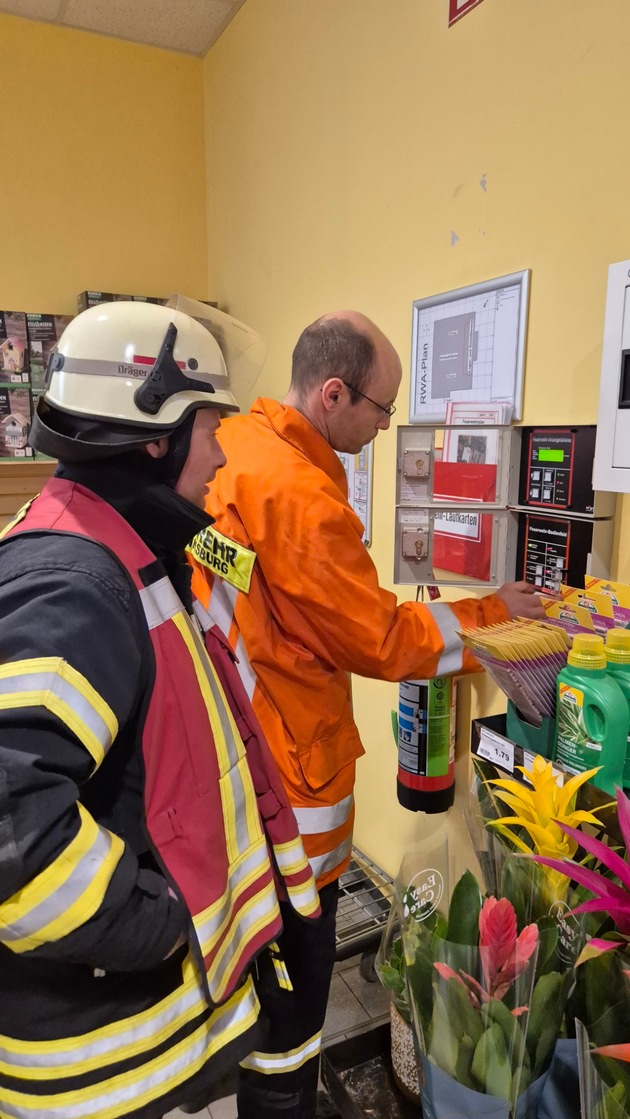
{"x":503,"y":954}
{"x":620,"y":1052}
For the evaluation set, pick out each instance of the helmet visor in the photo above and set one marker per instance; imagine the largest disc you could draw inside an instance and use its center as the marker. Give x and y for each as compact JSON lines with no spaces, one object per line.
{"x":243,"y":350}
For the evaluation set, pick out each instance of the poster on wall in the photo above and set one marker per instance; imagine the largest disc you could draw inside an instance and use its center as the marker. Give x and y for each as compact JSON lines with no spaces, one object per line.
{"x":358,"y":470}
{"x":459,"y":8}
{"x":468,"y":345}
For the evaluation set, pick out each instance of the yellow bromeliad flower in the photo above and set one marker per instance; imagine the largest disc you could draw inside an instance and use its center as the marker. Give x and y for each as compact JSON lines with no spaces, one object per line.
{"x":536,"y":809}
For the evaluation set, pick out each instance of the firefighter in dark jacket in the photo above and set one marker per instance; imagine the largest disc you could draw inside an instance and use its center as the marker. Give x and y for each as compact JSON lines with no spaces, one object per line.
{"x":143,"y":827}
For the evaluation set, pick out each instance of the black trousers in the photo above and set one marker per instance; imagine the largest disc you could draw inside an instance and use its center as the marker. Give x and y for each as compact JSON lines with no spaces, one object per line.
{"x":284,"y":1083}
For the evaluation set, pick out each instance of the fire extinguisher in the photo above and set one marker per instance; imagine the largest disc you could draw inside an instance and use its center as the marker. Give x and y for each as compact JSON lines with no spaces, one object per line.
{"x":426,"y":744}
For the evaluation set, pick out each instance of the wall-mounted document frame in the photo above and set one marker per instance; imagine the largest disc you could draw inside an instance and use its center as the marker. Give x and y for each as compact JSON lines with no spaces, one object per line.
{"x":469,"y":344}
{"x":359,"y":470}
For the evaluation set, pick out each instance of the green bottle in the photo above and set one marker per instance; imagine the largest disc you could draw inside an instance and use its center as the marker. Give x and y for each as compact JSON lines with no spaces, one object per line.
{"x":618,"y":659}
{"x":592,"y":716}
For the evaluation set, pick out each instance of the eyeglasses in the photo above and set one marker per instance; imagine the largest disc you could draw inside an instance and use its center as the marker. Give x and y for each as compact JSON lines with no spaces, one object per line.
{"x":388,"y":409}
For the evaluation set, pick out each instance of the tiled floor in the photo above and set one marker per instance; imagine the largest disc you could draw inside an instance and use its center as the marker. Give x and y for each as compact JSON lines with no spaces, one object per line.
{"x":354,"y":1002}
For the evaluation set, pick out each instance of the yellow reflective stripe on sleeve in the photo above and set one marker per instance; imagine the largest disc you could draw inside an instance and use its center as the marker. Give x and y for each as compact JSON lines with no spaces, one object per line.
{"x":290,"y":856}
{"x":122,"y":1040}
{"x":52,"y":683}
{"x":130,"y":1091}
{"x":64,"y":895}
{"x":303,"y":898}
{"x":282,"y":975}
{"x":233,"y":562}
{"x":270,"y":1063}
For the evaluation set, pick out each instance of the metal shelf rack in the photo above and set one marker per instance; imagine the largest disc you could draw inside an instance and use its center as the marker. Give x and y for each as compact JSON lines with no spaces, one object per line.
{"x":365,"y":898}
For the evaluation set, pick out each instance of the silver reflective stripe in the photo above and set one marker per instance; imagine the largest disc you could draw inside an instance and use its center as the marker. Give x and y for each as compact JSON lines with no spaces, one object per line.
{"x":452,"y":657}
{"x":245,"y":670}
{"x":114,"y":1095}
{"x":221,"y":605}
{"x":160,"y":602}
{"x":321,"y":864}
{"x":313,"y":821}
{"x":153,"y":1027}
{"x":51,"y":683}
{"x":269,"y":1063}
{"x":130,"y":370}
{"x":66,"y":894}
{"x":207,"y":927}
{"x":239,"y":798}
{"x":239,"y":935}
{"x":222,"y":602}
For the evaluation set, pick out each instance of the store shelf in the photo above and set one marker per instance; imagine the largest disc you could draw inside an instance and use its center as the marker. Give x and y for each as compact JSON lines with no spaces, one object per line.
{"x":365,"y":897}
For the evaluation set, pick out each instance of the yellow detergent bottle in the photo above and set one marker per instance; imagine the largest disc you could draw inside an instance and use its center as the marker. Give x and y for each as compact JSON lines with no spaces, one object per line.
{"x":592,"y":716}
{"x":618,"y":661}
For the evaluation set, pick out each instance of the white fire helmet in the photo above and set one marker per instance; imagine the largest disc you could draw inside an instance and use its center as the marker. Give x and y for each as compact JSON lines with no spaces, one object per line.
{"x":137,"y":363}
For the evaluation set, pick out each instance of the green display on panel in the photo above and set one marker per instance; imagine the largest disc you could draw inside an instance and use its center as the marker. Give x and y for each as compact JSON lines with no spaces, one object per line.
{"x":545,"y":454}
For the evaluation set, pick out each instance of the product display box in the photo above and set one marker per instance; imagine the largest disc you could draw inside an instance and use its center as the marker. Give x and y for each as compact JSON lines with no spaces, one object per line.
{"x":13,"y":347}
{"x":87,"y":299}
{"x":15,"y":422}
{"x":44,"y":331}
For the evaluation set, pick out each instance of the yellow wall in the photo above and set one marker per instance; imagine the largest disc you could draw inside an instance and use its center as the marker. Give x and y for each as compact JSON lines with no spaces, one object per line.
{"x":102,"y":171}
{"x":348,"y":140}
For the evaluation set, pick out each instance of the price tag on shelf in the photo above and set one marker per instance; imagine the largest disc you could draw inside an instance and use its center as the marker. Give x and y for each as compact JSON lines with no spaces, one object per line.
{"x":496,"y":749}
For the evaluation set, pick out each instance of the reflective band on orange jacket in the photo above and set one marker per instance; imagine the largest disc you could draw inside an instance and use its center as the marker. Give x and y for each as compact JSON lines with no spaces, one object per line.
{"x":312,"y":612}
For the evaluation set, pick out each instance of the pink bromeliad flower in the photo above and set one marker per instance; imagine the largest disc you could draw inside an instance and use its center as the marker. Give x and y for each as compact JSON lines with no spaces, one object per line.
{"x":503,"y":954}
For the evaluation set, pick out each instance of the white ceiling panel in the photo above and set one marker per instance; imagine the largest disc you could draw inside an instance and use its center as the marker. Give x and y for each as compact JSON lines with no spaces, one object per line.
{"x":190,"y":26}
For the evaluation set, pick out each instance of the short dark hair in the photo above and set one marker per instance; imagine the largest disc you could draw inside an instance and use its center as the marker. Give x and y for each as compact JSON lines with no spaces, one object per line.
{"x":332,"y":348}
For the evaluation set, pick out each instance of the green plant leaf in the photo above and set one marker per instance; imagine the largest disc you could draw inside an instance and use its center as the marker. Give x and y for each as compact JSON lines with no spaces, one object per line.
{"x":463,"y":914}
{"x":545,"y":1017}
{"x":443,"y":1047}
{"x":490,"y":1064}
{"x":465,"y":1054}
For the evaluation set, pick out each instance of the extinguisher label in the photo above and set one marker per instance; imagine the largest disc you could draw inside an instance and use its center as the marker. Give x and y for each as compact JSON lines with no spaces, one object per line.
{"x":426,"y":726}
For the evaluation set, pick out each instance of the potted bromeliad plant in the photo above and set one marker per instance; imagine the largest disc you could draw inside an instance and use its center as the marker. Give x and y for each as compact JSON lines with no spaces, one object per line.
{"x":480,"y":996}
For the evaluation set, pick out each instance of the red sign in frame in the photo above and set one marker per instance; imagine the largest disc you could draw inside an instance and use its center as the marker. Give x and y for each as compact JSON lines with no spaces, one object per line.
{"x":459,"y":8}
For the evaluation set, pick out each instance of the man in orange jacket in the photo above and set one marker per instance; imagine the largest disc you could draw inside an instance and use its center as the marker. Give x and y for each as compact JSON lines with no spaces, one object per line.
{"x":299,"y":597}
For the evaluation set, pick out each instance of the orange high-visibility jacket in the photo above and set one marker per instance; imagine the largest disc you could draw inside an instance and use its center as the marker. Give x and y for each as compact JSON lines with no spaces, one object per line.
{"x":300,"y":600}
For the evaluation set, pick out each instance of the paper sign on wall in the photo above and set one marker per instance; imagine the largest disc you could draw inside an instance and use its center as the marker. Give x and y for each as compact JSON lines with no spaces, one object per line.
{"x":459,"y":8}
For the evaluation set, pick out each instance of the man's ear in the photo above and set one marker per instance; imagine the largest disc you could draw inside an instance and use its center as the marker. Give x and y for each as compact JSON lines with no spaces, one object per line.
{"x":158,"y":448}
{"x":332,"y":391}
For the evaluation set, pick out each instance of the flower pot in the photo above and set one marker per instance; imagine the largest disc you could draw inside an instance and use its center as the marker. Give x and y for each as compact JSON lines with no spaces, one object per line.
{"x":404,"y":1064}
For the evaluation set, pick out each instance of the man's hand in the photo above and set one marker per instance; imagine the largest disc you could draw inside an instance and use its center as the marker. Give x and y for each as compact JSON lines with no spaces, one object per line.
{"x":522,"y":600}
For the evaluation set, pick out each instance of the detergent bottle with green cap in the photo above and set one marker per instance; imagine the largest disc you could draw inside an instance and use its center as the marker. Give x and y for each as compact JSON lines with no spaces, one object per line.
{"x":618,"y":661}
{"x":592,"y":715}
